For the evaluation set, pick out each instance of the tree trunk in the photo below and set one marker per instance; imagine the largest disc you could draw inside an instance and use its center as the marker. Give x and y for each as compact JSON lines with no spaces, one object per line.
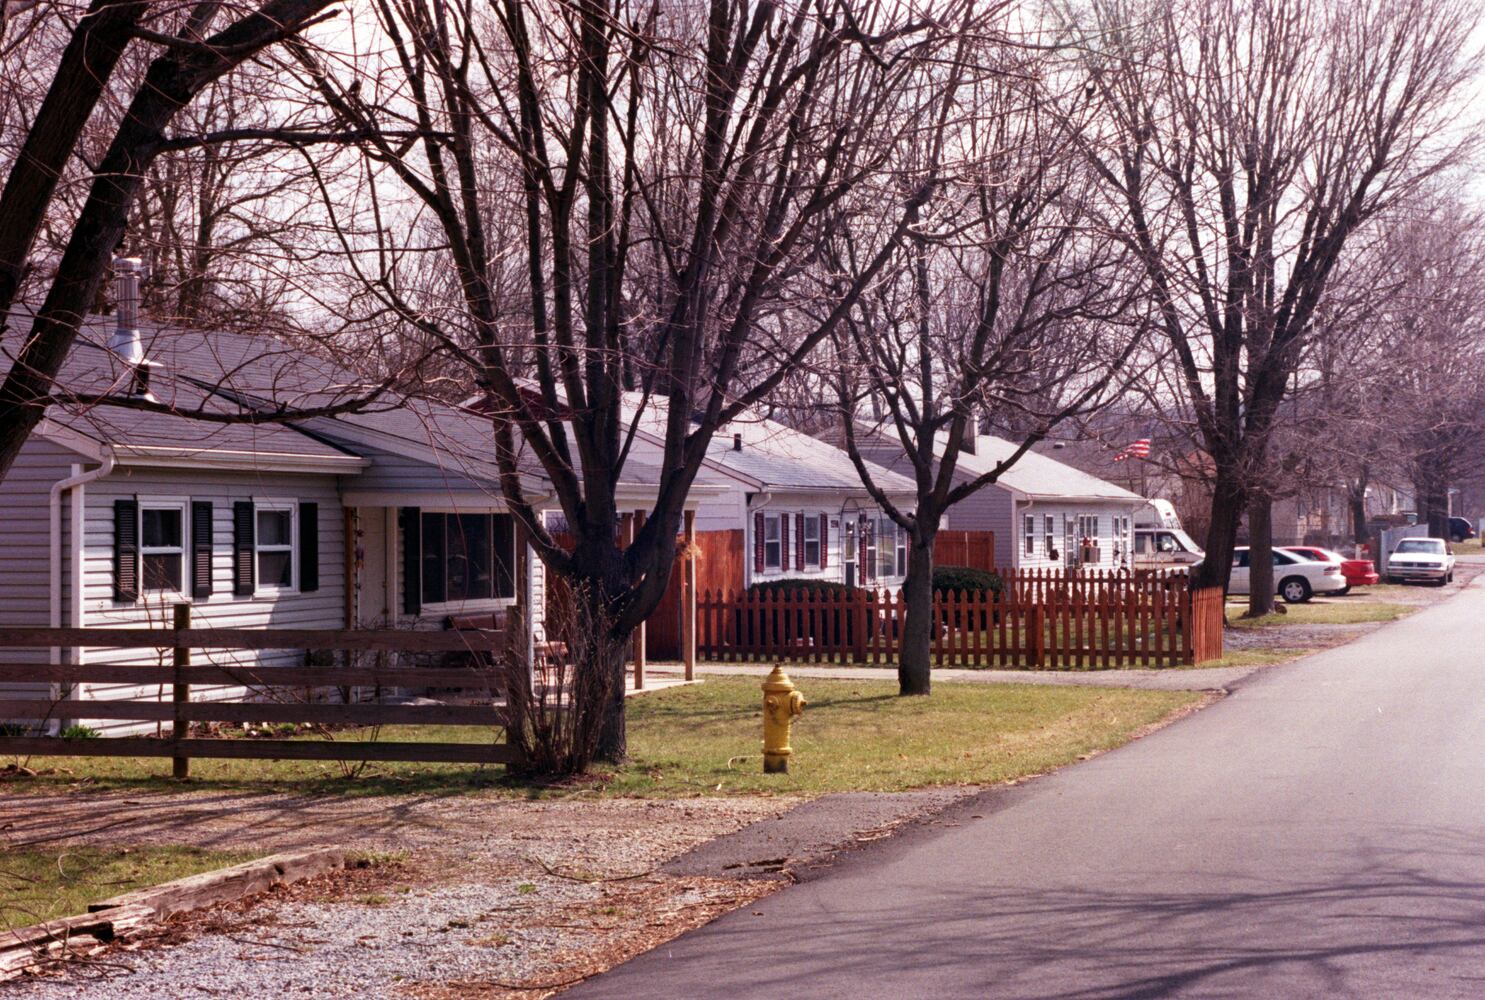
{"x":597,"y":645}
{"x":1226,"y":511}
{"x":1356,"y":501}
{"x":914,"y":651}
{"x":1260,"y":555}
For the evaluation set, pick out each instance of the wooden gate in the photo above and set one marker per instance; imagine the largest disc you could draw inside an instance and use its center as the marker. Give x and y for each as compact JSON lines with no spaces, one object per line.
{"x":975,"y":549}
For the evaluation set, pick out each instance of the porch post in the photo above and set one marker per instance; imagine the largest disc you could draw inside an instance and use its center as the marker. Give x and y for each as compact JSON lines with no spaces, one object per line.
{"x":688,"y":599}
{"x":635,"y":524}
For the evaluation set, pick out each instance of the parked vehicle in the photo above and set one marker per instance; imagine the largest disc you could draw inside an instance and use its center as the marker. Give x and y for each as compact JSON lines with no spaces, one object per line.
{"x":1358,"y":572}
{"x":1296,"y":579}
{"x":1421,"y":559}
{"x":1460,"y":529}
{"x":1165,"y":548}
{"x":1157,"y":514}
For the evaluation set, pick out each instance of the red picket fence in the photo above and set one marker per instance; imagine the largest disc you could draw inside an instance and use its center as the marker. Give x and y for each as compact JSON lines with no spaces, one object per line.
{"x":1044,"y":620}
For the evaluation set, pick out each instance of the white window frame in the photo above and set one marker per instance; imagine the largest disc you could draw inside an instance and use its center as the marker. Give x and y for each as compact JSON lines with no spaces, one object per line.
{"x":273,"y":504}
{"x":773,"y":521}
{"x":812,"y":524}
{"x":1049,"y":533}
{"x":1028,"y":528}
{"x":176,"y":503}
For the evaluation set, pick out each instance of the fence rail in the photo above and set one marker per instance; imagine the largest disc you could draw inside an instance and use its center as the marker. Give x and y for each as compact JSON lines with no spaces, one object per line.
{"x":1043,"y":620}
{"x":179,"y":711}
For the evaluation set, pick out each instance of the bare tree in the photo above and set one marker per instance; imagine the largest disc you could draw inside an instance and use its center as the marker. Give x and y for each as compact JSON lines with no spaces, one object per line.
{"x":191,"y":57}
{"x":1005,"y":301}
{"x":612,"y":193}
{"x":1245,"y":143}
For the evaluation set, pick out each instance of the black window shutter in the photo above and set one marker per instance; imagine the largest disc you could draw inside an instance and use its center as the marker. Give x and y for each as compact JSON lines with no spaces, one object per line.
{"x":435,"y":554}
{"x":200,"y":548}
{"x":125,"y":550}
{"x":504,"y":528}
{"x":244,"y":575}
{"x":412,"y":561}
{"x":309,"y":546}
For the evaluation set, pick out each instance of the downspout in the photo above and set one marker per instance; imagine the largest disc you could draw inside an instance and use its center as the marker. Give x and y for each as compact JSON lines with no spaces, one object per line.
{"x":76,"y":482}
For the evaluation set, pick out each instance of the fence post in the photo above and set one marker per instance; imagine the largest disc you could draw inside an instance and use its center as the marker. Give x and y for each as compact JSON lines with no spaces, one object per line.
{"x":181,"y":695}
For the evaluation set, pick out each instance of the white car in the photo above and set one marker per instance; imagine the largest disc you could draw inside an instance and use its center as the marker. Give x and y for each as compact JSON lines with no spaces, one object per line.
{"x":1421,"y":559}
{"x":1295,"y":579}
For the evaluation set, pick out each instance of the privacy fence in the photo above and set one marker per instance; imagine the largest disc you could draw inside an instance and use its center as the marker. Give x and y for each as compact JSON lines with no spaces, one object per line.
{"x":263,"y":694}
{"x":1038,"y":619}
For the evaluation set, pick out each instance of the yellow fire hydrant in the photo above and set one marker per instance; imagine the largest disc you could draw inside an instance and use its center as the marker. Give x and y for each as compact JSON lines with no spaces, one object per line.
{"x":781,"y":703}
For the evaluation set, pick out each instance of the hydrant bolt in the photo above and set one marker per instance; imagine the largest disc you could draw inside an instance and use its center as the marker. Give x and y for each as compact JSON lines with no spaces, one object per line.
{"x":781,"y":703}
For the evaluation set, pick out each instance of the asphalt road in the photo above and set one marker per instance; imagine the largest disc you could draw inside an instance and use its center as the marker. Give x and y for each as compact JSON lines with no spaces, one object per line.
{"x":1320,"y":833}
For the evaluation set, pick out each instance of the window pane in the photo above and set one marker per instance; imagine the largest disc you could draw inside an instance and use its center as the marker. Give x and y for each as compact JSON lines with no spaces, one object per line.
{"x":435,"y":581}
{"x":469,"y":568}
{"x":161,"y":529}
{"x":275,"y":569}
{"x":274,"y":527}
{"x":162,"y":572}
{"x":504,"y":526}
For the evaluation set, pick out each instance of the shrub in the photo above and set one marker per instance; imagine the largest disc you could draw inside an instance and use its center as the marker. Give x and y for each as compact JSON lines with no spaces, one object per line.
{"x":791,"y":586}
{"x":966,"y":580}
{"x":78,"y":732}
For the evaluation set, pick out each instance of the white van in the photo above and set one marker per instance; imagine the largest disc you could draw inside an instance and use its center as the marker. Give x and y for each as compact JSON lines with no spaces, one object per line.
{"x":1158,"y":514}
{"x":1165,"y":548}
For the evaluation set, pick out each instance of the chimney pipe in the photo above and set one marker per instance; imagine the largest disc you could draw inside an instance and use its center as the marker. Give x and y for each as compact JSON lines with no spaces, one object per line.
{"x":125,"y":340}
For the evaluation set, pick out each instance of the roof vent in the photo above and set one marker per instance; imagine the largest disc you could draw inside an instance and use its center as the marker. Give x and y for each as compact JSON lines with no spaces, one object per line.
{"x":125,"y":341}
{"x":737,"y":442}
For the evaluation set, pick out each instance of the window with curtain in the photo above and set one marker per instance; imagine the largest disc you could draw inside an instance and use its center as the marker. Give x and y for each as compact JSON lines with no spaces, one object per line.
{"x":468,"y":557}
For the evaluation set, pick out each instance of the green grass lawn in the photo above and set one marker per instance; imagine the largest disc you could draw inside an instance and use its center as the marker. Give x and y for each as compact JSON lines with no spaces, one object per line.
{"x":705,"y":740}
{"x":1319,"y":613}
{"x":38,"y":884}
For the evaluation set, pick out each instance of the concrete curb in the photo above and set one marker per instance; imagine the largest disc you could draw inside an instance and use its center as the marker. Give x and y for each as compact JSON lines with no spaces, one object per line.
{"x":131,"y":914}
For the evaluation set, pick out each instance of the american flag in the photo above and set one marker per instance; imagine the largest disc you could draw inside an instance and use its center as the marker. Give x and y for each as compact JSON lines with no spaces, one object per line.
{"x":1139,"y":448}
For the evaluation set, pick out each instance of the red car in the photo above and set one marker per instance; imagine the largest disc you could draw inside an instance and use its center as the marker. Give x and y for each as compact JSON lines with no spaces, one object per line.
{"x":1358,"y":572}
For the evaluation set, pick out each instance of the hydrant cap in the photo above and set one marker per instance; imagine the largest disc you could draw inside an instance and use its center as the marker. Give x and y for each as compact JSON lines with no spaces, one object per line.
{"x":778,"y":681}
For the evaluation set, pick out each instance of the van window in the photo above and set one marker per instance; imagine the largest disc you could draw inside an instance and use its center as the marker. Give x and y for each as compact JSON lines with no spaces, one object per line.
{"x":1167,"y":542}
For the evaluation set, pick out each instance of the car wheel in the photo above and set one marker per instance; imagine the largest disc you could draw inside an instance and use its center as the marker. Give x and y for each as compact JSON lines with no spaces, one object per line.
{"x":1394,"y":581}
{"x":1440,"y":582}
{"x":1295,"y":590}
{"x":1450,"y":577}
{"x":1343,"y":591}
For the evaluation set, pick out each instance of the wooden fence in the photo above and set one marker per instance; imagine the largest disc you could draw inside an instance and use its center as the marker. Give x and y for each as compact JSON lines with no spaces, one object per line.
{"x":264,"y":681}
{"x":1043,"y":620}
{"x":975,"y":549}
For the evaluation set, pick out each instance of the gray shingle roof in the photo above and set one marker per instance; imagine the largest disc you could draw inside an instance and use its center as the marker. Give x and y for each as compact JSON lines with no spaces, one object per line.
{"x":1040,"y":476}
{"x":776,"y":456}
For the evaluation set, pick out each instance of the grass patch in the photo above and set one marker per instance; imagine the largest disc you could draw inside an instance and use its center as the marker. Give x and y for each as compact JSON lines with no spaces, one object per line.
{"x":705,"y":739}
{"x":858,"y":735}
{"x":1258,"y":657}
{"x":39,"y":884}
{"x":1320,"y":613}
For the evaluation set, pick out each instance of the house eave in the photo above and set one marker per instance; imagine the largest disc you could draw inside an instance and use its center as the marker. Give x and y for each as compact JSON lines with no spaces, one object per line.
{"x":164,"y":456}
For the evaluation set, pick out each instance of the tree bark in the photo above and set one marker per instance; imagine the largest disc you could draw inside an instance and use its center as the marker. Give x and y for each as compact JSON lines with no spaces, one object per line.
{"x":1228,"y":498}
{"x":914,"y":659}
{"x":1260,"y":554}
{"x":87,"y":63}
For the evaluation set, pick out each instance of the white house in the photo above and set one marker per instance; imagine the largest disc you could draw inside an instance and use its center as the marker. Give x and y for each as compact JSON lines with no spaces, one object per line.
{"x":1044,"y":513}
{"x":386,"y":518}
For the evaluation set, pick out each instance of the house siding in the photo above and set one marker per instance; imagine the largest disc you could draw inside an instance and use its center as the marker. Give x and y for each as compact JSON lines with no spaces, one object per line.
{"x":323,"y":608}
{"x":1113,"y":552}
{"x":25,"y":535}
